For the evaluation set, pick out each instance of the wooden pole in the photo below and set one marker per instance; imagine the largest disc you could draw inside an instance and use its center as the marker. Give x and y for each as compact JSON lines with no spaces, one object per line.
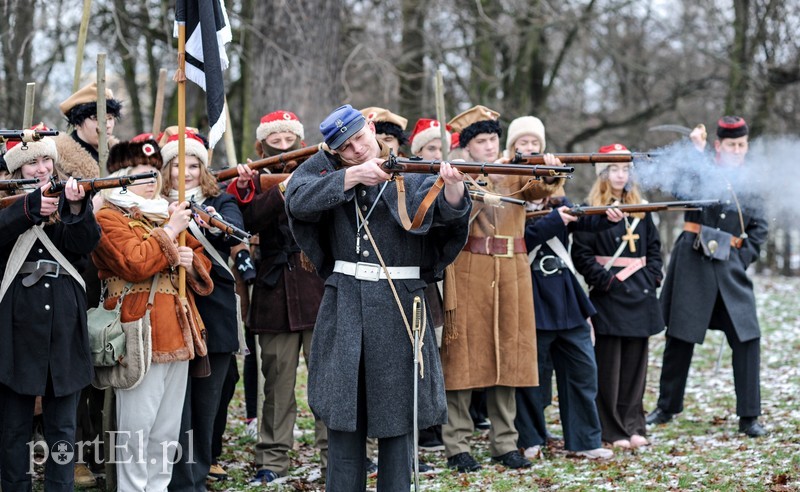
{"x":87,"y":8}
{"x":440,"y":115}
{"x":102,"y":140}
{"x":230,"y":147}
{"x":158,"y":105}
{"x":30,"y":97}
{"x":182,"y":144}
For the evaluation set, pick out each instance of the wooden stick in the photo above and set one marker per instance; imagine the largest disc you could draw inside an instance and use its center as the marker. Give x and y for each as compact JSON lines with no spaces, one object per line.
{"x":102,"y":140}
{"x":440,"y":115}
{"x":182,"y":145}
{"x":87,"y":10}
{"x":230,"y":147}
{"x":158,"y":106}
{"x":30,"y":96}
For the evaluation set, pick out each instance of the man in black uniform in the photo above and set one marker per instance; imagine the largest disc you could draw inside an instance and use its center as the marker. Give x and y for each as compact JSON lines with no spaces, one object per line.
{"x":707,"y":285}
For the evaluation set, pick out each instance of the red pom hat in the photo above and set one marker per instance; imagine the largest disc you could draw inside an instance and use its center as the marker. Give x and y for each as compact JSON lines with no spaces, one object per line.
{"x":194,"y":146}
{"x":426,"y":130}
{"x":616,"y":148}
{"x":18,"y":153}
{"x":279,"y":121}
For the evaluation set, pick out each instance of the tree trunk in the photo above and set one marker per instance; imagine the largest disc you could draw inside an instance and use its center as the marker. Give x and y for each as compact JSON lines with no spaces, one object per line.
{"x":16,"y":35}
{"x":739,"y":59}
{"x":295,"y":59}
{"x":411,"y":66}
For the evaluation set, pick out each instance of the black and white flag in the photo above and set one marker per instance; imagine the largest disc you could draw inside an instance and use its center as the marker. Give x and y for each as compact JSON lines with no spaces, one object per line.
{"x":207,"y":32}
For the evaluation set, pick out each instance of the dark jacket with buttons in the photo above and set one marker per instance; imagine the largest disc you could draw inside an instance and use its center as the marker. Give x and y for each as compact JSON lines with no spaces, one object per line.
{"x":43,"y":330}
{"x":629,"y":308}
{"x":359,"y":323}
{"x":558,"y":298}
{"x":694,"y":281}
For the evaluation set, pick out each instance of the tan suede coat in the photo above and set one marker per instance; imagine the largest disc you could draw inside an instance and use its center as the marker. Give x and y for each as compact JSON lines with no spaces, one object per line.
{"x":494,"y":341}
{"x":131,"y":251}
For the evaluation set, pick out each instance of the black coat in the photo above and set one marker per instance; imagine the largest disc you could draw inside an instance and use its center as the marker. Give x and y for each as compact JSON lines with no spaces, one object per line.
{"x":694,"y":281}
{"x":44,"y":326}
{"x":558,"y":299}
{"x":218,"y":309}
{"x":629,"y":308}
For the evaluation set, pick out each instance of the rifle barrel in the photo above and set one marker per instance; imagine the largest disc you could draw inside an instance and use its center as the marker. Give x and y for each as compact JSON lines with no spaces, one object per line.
{"x":582,"y":158}
{"x":219,"y":223}
{"x":298,"y":155}
{"x":401,"y":165}
{"x":98,"y":184}
{"x":26,"y":135}
{"x":15,"y":184}
{"x":478,"y":195}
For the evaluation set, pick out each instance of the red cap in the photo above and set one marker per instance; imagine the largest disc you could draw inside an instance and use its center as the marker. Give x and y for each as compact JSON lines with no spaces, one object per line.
{"x":615,"y":147}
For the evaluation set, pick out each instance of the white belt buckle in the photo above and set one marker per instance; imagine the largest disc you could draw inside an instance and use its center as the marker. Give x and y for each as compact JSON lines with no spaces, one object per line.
{"x":368,"y":271}
{"x":50,"y":274}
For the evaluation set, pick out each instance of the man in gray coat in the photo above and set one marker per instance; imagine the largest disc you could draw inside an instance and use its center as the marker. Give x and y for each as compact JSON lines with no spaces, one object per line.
{"x":343,"y":211}
{"x":707,"y":285}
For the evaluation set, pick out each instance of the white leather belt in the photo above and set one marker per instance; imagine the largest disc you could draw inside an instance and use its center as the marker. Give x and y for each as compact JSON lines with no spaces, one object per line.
{"x":373,"y":272}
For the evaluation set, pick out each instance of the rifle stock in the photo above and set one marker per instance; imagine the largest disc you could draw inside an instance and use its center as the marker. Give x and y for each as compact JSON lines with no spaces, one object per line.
{"x":218,"y":222}
{"x":268,"y":181}
{"x":285,"y":158}
{"x":16,"y":184}
{"x":678,"y":206}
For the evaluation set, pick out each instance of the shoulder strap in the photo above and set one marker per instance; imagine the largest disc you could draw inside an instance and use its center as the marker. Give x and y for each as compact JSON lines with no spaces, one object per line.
{"x":419,"y":217}
{"x":65,"y":264}
{"x":621,"y":248}
{"x":198,"y":234}
{"x":19,"y":253}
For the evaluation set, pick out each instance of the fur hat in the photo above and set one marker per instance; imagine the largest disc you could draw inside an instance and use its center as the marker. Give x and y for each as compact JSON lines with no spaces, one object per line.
{"x":474,"y":121}
{"x":83,"y":104}
{"x":616,"y":148}
{"x":732,"y":127}
{"x":19,"y":153}
{"x":131,"y":154}
{"x":425,"y":130}
{"x":525,"y":125}
{"x":279,"y":121}
{"x":387,"y":123}
{"x":194,"y":146}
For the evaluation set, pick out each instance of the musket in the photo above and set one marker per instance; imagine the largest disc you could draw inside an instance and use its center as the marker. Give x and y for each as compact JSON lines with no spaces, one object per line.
{"x":25,"y":136}
{"x":481,"y":197}
{"x":587,"y":158}
{"x":93,"y":185}
{"x":284,"y":158}
{"x":678,"y":206}
{"x":217,"y":221}
{"x":15,"y":184}
{"x":395,"y":165}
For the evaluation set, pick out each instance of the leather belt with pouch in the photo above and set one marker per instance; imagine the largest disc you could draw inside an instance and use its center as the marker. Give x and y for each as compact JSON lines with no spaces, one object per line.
{"x":501,"y":246}
{"x":712,"y":242}
{"x":116,"y":286}
{"x":39,"y":269}
{"x":548,"y":265}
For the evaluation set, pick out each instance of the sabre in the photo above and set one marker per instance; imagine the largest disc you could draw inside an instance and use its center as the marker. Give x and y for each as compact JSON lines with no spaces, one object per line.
{"x":416,"y":326}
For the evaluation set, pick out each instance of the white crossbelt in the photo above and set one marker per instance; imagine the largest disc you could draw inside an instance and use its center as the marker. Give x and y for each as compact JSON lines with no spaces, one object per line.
{"x":373,"y":272}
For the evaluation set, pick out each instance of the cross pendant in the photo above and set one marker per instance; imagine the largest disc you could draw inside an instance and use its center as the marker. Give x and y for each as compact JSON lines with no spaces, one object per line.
{"x":631,"y":238}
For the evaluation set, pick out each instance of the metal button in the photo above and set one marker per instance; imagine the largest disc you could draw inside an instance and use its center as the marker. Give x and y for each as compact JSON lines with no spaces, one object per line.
{"x":363,"y":208}
{"x":39,"y":250}
{"x":722,"y":215}
{"x":365,"y":254}
{"x":363,"y":192}
{"x":365,"y":238}
{"x":47,"y":307}
{"x":727,"y":202}
{"x":646,"y":291}
{"x":46,"y":285}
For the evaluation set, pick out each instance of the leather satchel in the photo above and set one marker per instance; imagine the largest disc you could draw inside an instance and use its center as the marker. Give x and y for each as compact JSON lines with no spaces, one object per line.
{"x":106,"y":337}
{"x":713,"y":243}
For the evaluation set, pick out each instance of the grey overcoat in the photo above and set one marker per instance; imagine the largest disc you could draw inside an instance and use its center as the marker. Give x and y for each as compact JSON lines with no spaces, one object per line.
{"x":360,"y":318}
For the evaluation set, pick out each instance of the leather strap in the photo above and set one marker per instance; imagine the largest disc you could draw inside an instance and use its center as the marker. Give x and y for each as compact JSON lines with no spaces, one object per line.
{"x":419,"y":217}
{"x":694,"y":227}
{"x":496,"y":245}
{"x":38,"y":269}
{"x":373,"y":271}
{"x":629,"y":265}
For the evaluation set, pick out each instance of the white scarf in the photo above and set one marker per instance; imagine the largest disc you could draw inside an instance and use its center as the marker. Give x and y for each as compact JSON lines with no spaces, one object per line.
{"x":155,"y":210}
{"x":195,"y":193}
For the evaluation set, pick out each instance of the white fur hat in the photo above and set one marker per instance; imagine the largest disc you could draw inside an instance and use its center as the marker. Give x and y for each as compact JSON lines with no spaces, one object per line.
{"x":279,"y":121}
{"x":525,"y":125}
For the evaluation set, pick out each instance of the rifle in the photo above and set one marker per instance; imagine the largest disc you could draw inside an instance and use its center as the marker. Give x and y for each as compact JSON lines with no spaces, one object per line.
{"x":217,"y":221}
{"x":395,"y":165}
{"x":25,"y":136}
{"x":589,"y":158}
{"x":270,"y":180}
{"x":481,"y":197}
{"x":16,"y":184}
{"x":93,"y":185}
{"x":681,"y":206}
{"x":285,"y":158}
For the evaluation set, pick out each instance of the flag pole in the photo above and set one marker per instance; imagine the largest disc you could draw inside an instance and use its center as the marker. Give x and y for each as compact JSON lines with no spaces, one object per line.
{"x":439,"y":91}
{"x":158,"y":106}
{"x":180,"y":77}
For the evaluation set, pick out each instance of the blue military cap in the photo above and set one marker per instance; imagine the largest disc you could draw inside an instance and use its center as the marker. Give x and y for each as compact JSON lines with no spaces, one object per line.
{"x":341,"y":124}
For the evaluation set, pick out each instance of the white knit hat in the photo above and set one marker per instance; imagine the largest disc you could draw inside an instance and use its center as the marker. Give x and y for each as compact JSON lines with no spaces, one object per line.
{"x":18,"y":153}
{"x":279,"y":121}
{"x":424,"y":131}
{"x":525,"y":125}
{"x":194,"y":146}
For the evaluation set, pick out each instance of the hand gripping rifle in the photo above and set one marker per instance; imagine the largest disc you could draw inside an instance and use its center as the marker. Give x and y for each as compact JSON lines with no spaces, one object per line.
{"x":25,"y":136}
{"x":16,"y":184}
{"x":396,"y":165}
{"x":286,"y":158}
{"x":93,"y":185}
{"x":216,"y":220}
{"x":678,"y":206}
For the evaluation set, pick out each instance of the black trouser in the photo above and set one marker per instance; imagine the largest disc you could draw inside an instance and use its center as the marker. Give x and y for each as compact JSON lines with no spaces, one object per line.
{"x":621,"y":379}
{"x":250,"y":375}
{"x":59,"y":432}
{"x":347,"y":455}
{"x":570,"y":352}
{"x":746,"y":368}
{"x":200,"y":409}
{"x":221,"y":421}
